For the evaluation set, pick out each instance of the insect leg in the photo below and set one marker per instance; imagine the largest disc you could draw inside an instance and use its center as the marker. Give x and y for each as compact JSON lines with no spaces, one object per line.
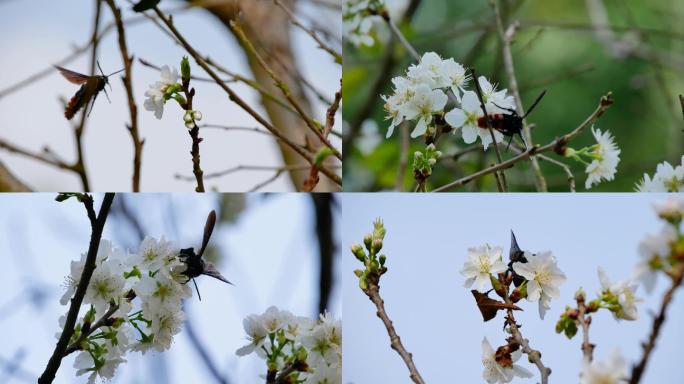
{"x":92,"y":105}
{"x":197,"y":289}
{"x":106,"y":94}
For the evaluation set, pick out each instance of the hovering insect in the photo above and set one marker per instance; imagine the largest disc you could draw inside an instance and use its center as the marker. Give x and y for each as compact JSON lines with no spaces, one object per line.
{"x":509,"y":124}
{"x":90,"y":88}
{"x":488,"y":306}
{"x":195,"y":264}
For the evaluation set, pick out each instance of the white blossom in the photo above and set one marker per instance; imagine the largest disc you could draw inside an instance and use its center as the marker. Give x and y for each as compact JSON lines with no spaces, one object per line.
{"x":482,"y":262}
{"x":157,"y":92}
{"x":625,"y":293}
{"x":666,"y":179}
{"x":422,"y":105}
{"x":358,"y":21}
{"x":606,"y":156}
{"x":543,"y":279}
{"x":84,"y":364}
{"x":256,"y":334}
{"x":106,"y":285}
{"x":653,"y":249}
{"x":495,"y":372}
{"x":467,"y":119}
{"x":612,"y":371}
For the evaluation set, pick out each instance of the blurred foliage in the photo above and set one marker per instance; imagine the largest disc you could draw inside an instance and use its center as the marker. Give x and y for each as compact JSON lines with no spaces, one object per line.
{"x":555,"y":49}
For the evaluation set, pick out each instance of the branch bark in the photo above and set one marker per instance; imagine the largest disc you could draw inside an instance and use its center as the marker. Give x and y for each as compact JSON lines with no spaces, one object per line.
{"x":97,"y":223}
{"x":373,"y":293}
{"x":658,"y":321}
{"x":133,"y":109}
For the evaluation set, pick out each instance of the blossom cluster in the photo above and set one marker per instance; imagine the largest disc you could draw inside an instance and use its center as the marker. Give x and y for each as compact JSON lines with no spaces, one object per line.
{"x":666,"y":179}
{"x":540,"y":273}
{"x":310,"y":348}
{"x":153,"y":275}
{"x":358,"y":17}
{"x":536,"y":277}
{"x":423,"y":93}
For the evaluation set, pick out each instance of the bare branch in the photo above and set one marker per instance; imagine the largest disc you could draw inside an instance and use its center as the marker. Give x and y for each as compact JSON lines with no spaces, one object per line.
{"x":97,"y":223}
{"x":133,"y":109}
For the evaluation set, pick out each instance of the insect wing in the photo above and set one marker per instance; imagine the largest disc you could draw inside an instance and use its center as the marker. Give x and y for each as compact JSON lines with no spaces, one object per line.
{"x":71,"y":76}
{"x":208,"y":229}
{"x":210,"y":270}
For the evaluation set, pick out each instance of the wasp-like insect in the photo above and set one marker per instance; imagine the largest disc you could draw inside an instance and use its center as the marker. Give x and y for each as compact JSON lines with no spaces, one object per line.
{"x":90,"y":88}
{"x":195,"y":265}
{"x":509,"y":124}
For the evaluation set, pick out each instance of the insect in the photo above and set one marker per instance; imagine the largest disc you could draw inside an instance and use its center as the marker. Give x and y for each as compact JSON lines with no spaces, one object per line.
{"x":509,"y":124}
{"x":516,"y":255}
{"x":195,"y":265}
{"x":488,"y":307}
{"x":90,"y":88}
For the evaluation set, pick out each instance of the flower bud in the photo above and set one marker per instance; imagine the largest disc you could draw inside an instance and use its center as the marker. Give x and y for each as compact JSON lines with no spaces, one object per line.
{"x":432,"y":161}
{"x":430,"y":147}
{"x":187,"y":117}
{"x":376,"y":246}
{"x":383,"y":258}
{"x":197,"y":115}
{"x":185,"y":69}
{"x":418,"y":154}
{"x":189,"y":124}
{"x":438,"y":153}
{"x":358,"y":252}
{"x":367,"y":241}
{"x":358,"y":272}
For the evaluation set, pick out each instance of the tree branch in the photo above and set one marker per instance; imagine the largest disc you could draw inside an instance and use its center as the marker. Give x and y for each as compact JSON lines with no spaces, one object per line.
{"x":555,"y":145}
{"x":506,"y":37}
{"x":97,"y":223}
{"x":373,"y":293}
{"x":658,"y":321}
{"x":133,"y":109}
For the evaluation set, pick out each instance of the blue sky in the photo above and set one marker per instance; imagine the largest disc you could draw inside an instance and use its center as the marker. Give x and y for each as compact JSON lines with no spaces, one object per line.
{"x":270,"y":254}
{"x":436,"y":318}
{"x":39,"y":36}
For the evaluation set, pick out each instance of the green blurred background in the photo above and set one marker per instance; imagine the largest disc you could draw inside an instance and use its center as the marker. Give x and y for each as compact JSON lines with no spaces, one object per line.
{"x":555,"y":49}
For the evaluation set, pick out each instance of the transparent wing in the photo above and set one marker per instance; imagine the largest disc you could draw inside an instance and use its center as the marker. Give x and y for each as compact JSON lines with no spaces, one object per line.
{"x":73,"y":77}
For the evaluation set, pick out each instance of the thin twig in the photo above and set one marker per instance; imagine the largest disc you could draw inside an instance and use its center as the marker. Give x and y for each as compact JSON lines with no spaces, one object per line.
{"x":373,"y":293}
{"x":321,"y":44}
{"x":658,"y":321}
{"x":533,"y":355}
{"x":76,"y":345}
{"x":132,"y":107}
{"x":584,"y":321}
{"x":79,"y":166}
{"x":238,"y":31}
{"x":237,"y":168}
{"x":502,"y":184}
{"x":400,"y":36}
{"x":506,"y":37}
{"x":605,"y":103}
{"x":97,"y":223}
{"x":403,"y":156}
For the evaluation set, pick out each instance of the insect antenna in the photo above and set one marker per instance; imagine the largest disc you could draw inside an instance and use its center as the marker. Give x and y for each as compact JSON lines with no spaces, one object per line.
{"x":535,"y":103}
{"x":208,"y":229}
{"x":114,"y":73}
{"x":100,"y":68}
{"x":197,"y":289}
